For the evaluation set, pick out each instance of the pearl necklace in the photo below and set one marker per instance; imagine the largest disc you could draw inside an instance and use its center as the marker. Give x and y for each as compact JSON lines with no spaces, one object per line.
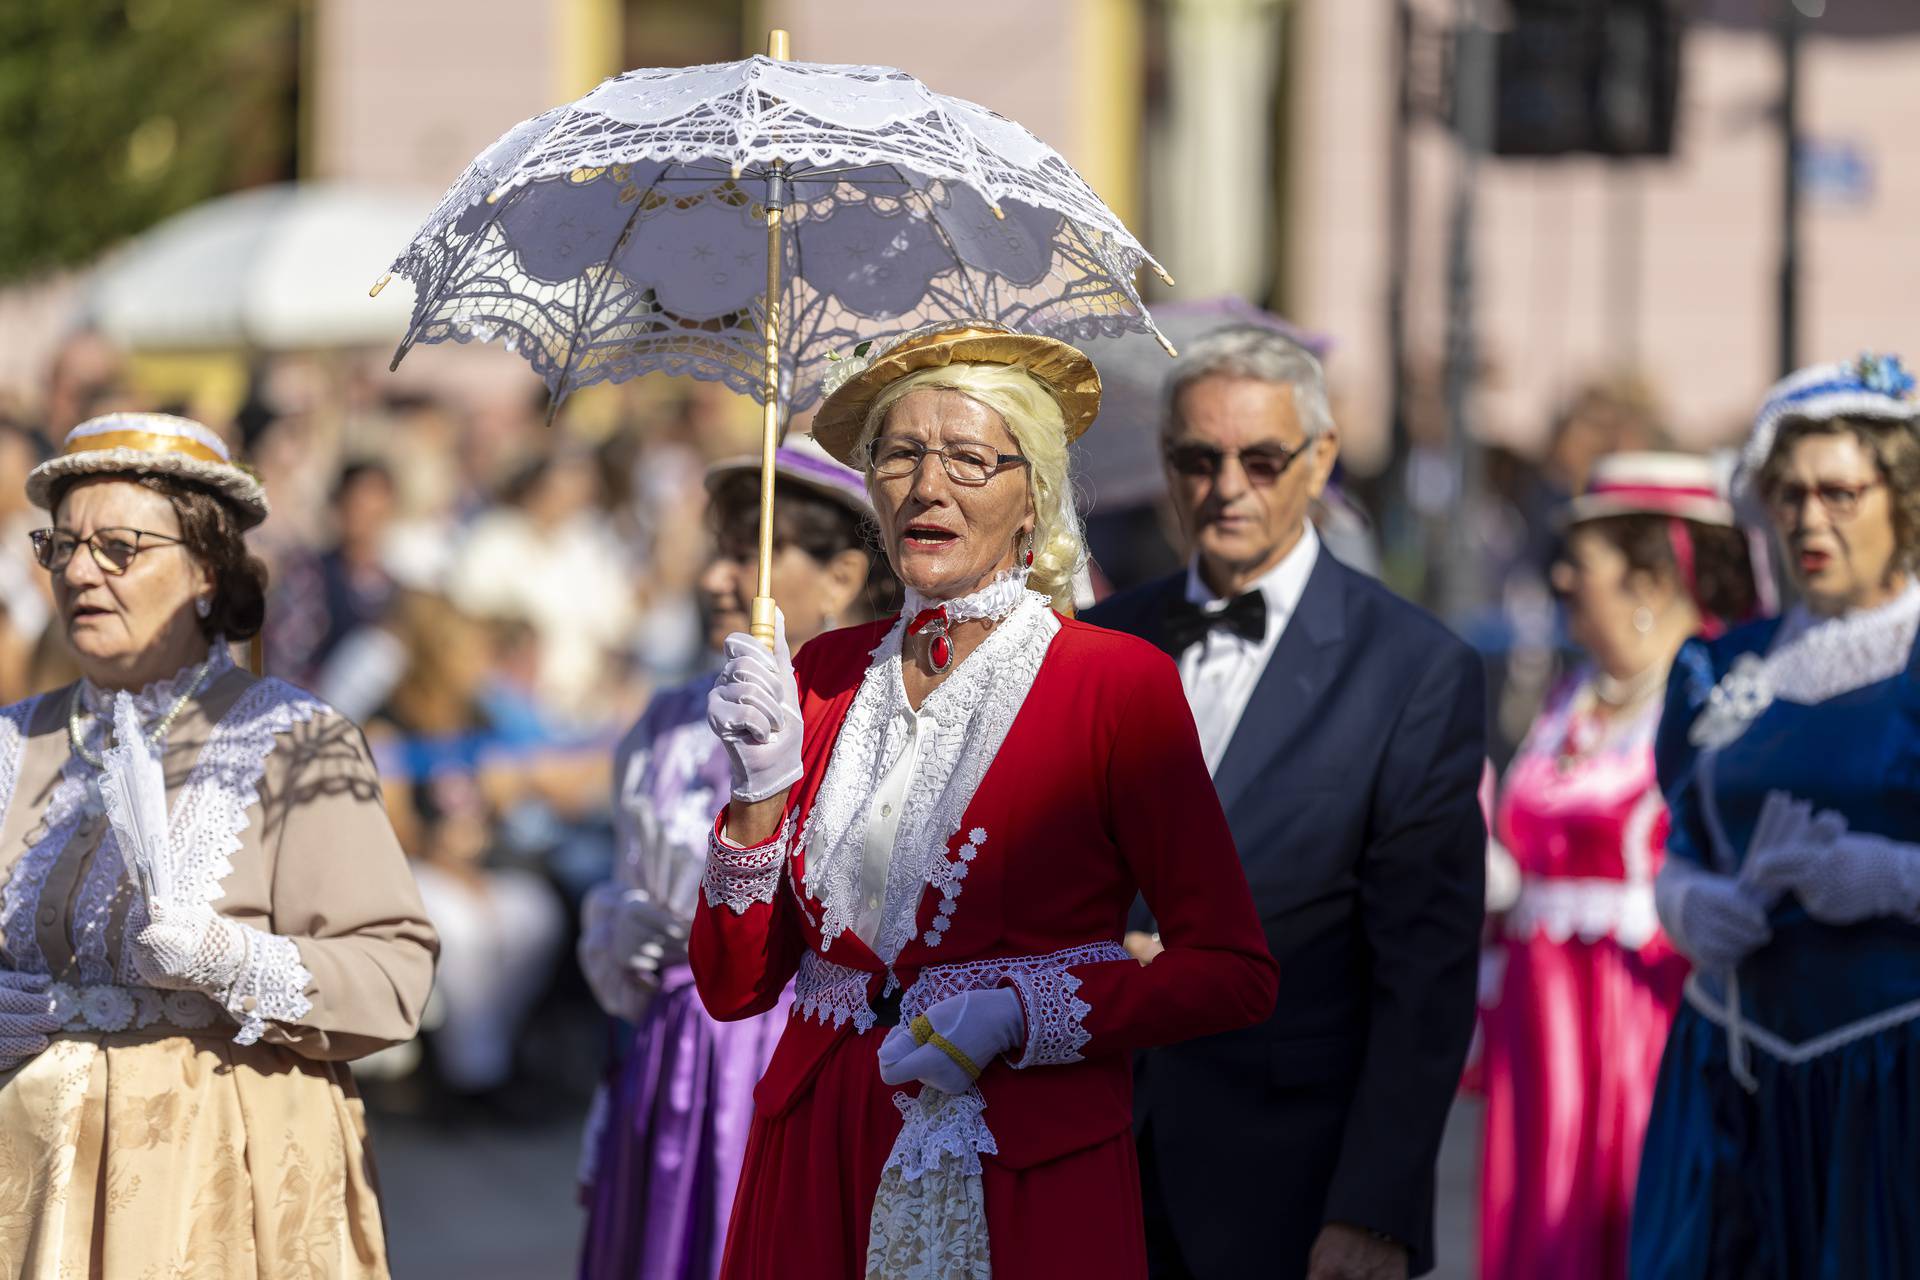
{"x":1619,"y":694}
{"x":76,"y":734}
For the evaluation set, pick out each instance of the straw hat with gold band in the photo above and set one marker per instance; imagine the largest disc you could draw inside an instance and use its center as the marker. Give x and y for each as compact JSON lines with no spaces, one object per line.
{"x":854,"y":384}
{"x":151,"y":444}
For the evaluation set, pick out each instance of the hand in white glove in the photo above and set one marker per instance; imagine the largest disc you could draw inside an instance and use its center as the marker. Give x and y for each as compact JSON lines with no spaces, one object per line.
{"x":189,"y":947}
{"x":26,"y":1017}
{"x":1713,"y":919}
{"x":627,"y":941}
{"x":755,"y":710}
{"x":980,"y":1024}
{"x":1790,"y":845}
{"x":1855,"y":878}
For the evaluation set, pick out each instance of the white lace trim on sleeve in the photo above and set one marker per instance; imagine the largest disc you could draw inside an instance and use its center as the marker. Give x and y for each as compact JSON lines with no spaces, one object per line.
{"x":738,"y":878}
{"x":1054,"y":1015}
{"x":272,"y":984}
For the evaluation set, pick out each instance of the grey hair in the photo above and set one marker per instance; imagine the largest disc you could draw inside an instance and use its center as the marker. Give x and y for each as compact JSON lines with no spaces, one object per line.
{"x":1253,"y":351}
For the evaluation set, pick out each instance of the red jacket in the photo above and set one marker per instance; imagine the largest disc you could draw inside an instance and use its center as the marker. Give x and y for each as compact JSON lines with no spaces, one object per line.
{"x":1098,"y":793}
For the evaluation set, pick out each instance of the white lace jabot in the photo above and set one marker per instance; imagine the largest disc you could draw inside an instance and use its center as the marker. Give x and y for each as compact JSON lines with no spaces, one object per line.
{"x":965,"y":721}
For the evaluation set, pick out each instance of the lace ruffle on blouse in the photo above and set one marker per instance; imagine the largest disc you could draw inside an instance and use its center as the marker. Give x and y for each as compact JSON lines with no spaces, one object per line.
{"x":971,"y":711}
{"x":1811,"y":660}
{"x":207,"y":819}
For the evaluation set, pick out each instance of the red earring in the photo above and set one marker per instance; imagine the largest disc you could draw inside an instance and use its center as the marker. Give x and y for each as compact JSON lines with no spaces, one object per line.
{"x":1029,"y":549}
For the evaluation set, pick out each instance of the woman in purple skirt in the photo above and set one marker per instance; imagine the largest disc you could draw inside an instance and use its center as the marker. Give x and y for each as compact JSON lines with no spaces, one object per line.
{"x":668,"y":1128}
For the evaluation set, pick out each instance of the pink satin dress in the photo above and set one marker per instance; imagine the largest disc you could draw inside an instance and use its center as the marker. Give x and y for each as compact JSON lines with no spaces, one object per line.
{"x":1580,"y":1012}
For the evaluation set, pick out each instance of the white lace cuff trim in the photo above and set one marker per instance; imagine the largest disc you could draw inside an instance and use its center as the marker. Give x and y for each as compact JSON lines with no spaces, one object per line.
{"x":1587,"y":909}
{"x":1054,"y":1015}
{"x":272,"y":986}
{"x":936,"y":1125}
{"x":738,"y":878}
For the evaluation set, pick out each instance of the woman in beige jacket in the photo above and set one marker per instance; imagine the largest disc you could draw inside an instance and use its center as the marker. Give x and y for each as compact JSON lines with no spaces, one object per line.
{"x":178,"y":998}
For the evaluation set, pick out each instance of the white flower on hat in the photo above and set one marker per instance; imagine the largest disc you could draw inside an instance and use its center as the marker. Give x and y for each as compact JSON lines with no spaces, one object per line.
{"x":843,"y":369}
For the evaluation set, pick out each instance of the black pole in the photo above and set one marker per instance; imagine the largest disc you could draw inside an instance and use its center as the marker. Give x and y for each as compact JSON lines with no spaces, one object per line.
{"x":1789,"y":284}
{"x":1399,"y":238}
{"x":1473,"y":89}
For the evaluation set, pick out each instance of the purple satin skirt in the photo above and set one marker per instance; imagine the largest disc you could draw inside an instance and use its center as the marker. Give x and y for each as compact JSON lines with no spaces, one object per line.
{"x":674,"y":1138}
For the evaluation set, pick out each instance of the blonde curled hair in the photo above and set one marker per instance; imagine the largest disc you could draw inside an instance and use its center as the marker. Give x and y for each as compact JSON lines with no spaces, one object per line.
{"x":1033,"y":418}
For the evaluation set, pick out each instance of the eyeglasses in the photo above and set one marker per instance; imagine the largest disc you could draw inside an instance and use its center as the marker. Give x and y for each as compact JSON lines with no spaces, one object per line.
{"x":113,"y":549}
{"x":1263,"y":463}
{"x":1842,"y":501}
{"x":895,"y":457}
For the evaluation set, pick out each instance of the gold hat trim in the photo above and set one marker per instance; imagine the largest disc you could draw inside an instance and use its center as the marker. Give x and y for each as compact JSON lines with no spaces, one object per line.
{"x":1064,"y":369}
{"x":144,"y":442}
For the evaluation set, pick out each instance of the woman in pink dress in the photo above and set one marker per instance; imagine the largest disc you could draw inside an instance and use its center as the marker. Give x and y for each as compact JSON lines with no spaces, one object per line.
{"x":1589,"y":983}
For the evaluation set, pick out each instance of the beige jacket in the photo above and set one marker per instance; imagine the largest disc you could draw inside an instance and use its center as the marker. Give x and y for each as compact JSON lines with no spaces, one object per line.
{"x":275,"y":815}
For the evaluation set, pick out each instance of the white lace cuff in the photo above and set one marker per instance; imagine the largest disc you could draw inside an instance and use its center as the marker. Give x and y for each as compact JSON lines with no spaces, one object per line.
{"x":736,"y":877}
{"x":272,"y":986}
{"x":1054,"y":1012}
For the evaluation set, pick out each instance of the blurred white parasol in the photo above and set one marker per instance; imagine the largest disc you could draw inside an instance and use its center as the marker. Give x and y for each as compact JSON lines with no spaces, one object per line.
{"x":280,"y":267}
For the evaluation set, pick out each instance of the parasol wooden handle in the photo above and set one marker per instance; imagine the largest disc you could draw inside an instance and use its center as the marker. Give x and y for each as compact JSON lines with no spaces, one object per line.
{"x":760,"y":621}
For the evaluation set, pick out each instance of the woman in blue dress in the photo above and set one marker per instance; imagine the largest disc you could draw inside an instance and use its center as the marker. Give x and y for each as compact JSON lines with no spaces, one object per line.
{"x":1785,"y":1136}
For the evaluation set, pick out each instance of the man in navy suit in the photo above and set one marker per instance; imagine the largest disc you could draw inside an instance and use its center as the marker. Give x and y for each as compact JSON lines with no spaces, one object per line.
{"x":1346,"y":732}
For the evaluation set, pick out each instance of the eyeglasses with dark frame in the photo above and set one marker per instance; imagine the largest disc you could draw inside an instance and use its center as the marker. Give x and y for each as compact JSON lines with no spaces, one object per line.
{"x":1842,"y":501}
{"x":112,"y":549}
{"x":896,"y":457}
{"x":1263,"y":463}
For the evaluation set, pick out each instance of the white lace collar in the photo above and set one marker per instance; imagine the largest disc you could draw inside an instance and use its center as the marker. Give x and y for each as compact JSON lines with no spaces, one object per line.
{"x":995,"y":600}
{"x":1811,"y":660}
{"x":964,"y":722}
{"x":157,"y":698}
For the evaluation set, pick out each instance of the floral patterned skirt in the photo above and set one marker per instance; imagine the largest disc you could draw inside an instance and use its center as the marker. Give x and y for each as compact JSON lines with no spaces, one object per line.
{"x":157,"y":1154}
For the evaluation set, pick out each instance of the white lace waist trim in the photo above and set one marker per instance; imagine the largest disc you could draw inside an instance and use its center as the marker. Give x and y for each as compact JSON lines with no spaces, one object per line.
{"x":1587,"y":909}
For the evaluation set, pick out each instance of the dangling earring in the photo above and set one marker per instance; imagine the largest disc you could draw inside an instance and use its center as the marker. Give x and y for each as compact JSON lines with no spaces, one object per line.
{"x":203,"y":607}
{"x":1643,"y":620}
{"x":1027,"y":553}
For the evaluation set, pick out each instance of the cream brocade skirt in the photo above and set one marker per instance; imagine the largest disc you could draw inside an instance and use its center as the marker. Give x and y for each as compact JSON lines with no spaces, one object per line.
{"x":159,"y":1155}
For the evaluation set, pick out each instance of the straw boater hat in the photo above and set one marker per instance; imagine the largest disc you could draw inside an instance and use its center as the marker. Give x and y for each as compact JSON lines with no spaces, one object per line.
{"x":855,"y":382}
{"x":151,"y":444}
{"x":1873,"y":387}
{"x":805,"y":463}
{"x":1682,"y":485}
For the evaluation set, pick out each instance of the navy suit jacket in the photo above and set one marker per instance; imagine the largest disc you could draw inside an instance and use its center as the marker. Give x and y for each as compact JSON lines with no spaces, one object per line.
{"x":1351,"y":785}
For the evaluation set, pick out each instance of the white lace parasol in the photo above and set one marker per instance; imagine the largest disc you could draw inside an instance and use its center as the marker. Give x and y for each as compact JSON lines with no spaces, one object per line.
{"x":627,"y":232}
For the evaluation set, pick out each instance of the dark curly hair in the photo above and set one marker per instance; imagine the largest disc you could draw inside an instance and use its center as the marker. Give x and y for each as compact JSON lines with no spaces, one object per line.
{"x":803,"y":518}
{"x":210,"y":531}
{"x":1895,"y":446}
{"x":1723,"y":586}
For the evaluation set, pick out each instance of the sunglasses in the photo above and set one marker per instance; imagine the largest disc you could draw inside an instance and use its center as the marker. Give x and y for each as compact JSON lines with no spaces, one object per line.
{"x":1263,"y":463}
{"x":112,"y":549}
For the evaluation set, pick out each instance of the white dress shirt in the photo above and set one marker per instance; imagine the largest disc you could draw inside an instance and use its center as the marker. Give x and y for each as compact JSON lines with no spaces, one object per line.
{"x":1220,"y":670}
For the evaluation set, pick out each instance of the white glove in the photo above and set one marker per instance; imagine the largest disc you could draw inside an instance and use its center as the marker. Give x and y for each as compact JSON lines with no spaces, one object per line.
{"x":190,"y":947}
{"x":755,"y":710}
{"x":981,"y":1024}
{"x":626,"y":941}
{"x":26,"y":1017}
{"x":1840,"y":877}
{"x":1713,"y":919}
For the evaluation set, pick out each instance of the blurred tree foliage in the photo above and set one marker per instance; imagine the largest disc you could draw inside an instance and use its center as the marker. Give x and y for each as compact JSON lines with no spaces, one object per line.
{"x":116,"y":113}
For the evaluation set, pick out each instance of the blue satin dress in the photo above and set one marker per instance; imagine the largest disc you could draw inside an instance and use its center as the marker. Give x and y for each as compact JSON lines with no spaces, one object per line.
{"x":1815,"y":1171}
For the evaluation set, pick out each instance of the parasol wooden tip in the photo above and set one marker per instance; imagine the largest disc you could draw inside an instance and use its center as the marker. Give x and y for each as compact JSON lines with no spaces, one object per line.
{"x":779,"y":45}
{"x":1167,"y":346}
{"x":379,"y":284}
{"x":1162,"y":273}
{"x":998,"y":212}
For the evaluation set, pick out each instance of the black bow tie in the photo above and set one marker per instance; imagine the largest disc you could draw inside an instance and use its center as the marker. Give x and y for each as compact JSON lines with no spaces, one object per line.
{"x":1188,"y":623}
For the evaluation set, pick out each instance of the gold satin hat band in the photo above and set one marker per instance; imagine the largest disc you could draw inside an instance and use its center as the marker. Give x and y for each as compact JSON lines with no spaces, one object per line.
{"x":145,"y":442}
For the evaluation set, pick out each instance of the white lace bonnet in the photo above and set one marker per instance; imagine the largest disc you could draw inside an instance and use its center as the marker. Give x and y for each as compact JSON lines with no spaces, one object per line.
{"x":151,"y":444}
{"x":1874,"y":386}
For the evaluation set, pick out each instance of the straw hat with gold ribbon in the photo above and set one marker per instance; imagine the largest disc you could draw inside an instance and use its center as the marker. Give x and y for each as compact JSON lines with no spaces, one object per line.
{"x":138,"y":444}
{"x":858,"y":380}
